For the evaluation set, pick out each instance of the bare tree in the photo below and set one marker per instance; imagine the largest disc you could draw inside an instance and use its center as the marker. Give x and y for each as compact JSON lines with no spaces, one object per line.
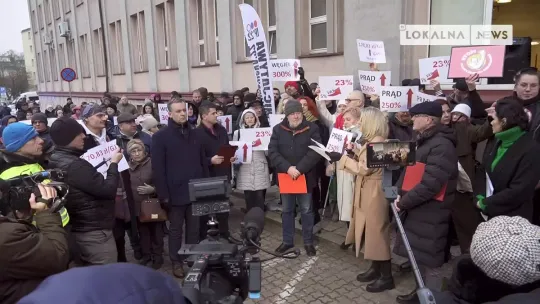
{"x":13,"y":74}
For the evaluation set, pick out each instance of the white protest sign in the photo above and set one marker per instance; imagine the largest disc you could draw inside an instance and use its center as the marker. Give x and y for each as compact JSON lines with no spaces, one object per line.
{"x":339,"y":140}
{"x":335,"y":87}
{"x":244,"y":153}
{"x":434,"y":68}
{"x":371,"y":51}
{"x":397,"y":99}
{"x":226,"y":122}
{"x":163,"y":113}
{"x":258,"y":137}
{"x":285,"y":69}
{"x":421,"y":97}
{"x":372,"y":81}
{"x":101,"y":156}
{"x":275,"y":119}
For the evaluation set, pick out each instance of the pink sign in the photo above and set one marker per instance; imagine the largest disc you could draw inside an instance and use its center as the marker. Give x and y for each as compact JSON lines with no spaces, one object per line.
{"x":484,"y":60}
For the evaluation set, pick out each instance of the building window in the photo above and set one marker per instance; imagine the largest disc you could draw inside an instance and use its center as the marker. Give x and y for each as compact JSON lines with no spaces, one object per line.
{"x":166,"y":35}
{"x":33,"y":62}
{"x":56,"y":9}
{"x":216,"y":30}
{"x":40,"y":68}
{"x":116,"y":48}
{"x":61,"y":58}
{"x":138,"y":42}
{"x":31,"y":48}
{"x":272,"y":30}
{"x":48,"y":18}
{"x":40,"y":17}
{"x":67,"y":6}
{"x":83,"y":53}
{"x":33,"y":21}
{"x":317,"y":26}
{"x":99,"y":61}
{"x":200,"y":31}
{"x":246,"y":47}
{"x":54,"y":67}
{"x":78,"y":2}
{"x":46,"y":69}
{"x":72,"y":59}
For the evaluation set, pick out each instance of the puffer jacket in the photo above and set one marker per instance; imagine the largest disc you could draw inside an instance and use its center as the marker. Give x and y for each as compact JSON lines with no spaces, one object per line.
{"x":91,"y":197}
{"x":254,"y":176}
{"x":426,"y":219}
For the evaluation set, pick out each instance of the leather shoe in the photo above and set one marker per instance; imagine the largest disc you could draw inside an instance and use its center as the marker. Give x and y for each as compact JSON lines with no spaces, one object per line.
{"x":284,"y":248}
{"x":344,"y":246}
{"x":178,"y":271}
{"x":310,"y":250}
{"x":369,"y":275}
{"x":410,"y":298}
{"x":385,"y":281}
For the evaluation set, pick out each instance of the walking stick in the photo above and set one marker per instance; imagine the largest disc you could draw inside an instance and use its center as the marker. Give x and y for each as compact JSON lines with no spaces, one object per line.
{"x":327,"y":195}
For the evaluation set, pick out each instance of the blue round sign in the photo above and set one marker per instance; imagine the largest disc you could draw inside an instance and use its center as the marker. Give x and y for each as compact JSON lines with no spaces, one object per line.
{"x":68,"y":74}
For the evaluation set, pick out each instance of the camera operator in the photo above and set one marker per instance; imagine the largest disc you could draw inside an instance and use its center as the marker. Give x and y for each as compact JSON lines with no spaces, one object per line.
{"x":23,"y":155}
{"x":29,"y":255}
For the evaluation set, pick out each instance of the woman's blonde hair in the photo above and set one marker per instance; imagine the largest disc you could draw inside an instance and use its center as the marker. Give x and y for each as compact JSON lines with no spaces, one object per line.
{"x":354,"y":111}
{"x":373,"y":123}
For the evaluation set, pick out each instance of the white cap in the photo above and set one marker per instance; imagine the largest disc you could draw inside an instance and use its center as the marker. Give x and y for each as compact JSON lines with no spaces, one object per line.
{"x":342,"y":102}
{"x":463,"y":109}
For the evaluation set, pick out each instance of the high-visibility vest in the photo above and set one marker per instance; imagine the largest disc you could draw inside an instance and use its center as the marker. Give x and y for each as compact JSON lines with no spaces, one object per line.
{"x":30,"y":169}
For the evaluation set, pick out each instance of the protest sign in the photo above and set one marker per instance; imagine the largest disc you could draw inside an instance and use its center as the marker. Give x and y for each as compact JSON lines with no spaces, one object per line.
{"x":339,"y":140}
{"x":397,"y":99}
{"x":275,"y":119}
{"x":422,"y":97}
{"x":371,"y":51}
{"x":258,"y":137}
{"x":244,"y":153}
{"x":486,"y":61}
{"x":254,"y":33}
{"x":371,"y":81}
{"x":335,"y":87}
{"x":163,"y":113}
{"x":285,"y":69}
{"x":434,"y":68}
{"x":226,"y":122}
{"x":100,"y":157}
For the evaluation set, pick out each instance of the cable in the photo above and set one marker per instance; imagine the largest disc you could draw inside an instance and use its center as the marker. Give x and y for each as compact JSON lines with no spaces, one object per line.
{"x":296,"y":253}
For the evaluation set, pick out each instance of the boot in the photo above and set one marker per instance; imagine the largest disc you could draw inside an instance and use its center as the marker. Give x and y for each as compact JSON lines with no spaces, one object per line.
{"x":405,"y":267}
{"x":344,"y":246}
{"x":371,"y":274}
{"x":178,"y":270}
{"x":157,"y":262}
{"x":410,"y":298}
{"x":145,"y":260}
{"x":385,"y":280}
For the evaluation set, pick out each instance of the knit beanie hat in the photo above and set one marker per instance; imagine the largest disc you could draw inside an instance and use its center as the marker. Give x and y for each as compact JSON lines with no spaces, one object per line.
{"x":293,"y":106}
{"x":133,"y":144}
{"x":16,"y":135}
{"x":64,"y":130}
{"x":149,"y":122}
{"x":92,"y":110}
{"x":39,"y":117}
{"x":291,"y":84}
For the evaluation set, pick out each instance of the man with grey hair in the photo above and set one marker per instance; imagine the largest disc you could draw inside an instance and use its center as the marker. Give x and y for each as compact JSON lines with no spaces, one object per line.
{"x":125,"y":107}
{"x":177,"y":157}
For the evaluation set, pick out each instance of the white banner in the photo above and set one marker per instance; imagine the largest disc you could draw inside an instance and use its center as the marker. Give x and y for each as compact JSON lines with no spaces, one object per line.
{"x":244,"y":153}
{"x":285,"y":69}
{"x":226,"y":122}
{"x":258,"y":137}
{"x":434,"y":68}
{"x":254,"y":33}
{"x":335,"y":87}
{"x":339,"y":140}
{"x":163,"y":113}
{"x":372,"y":81}
{"x":275,"y":119}
{"x":371,"y":51}
{"x":421,"y":97}
{"x":397,"y":99}
{"x":101,"y":156}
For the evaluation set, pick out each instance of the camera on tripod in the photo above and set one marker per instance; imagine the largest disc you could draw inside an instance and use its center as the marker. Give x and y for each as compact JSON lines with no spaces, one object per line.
{"x":221,"y":272}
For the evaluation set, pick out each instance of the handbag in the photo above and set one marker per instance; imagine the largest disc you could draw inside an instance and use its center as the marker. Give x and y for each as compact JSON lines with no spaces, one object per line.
{"x":151,"y":211}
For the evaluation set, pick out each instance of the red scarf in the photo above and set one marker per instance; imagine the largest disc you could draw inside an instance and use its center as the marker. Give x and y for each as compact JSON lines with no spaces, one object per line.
{"x":339,"y":122}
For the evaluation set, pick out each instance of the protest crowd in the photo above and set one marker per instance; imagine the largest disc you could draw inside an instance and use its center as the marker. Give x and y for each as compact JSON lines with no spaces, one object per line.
{"x":121,"y":161}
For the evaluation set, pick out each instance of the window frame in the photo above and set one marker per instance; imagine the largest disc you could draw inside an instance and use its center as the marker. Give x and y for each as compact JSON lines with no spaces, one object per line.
{"x":84,"y":56}
{"x":116,"y":48}
{"x":54,"y":64}
{"x":271,"y":28}
{"x":138,"y":42}
{"x":200,"y":42}
{"x":315,"y":21}
{"x":165,"y":33}
{"x":66,"y":5}
{"x":216,"y":31}
{"x":41,"y":24}
{"x":98,"y":51}
{"x":47,"y":12}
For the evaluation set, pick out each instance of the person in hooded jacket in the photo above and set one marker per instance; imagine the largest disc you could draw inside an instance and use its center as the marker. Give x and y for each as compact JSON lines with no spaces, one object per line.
{"x":67,"y":107}
{"x":40,"y":123}
{"x":22,"y":109}
{"x":50,"y":112}
{"x":252,"y":178}
{"x":426,"y":219}
{"x":192,"y":114}
{"x":236,"y":109}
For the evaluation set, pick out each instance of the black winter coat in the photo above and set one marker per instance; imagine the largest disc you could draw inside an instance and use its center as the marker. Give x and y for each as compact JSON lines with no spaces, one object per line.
{"x":211,"y":144}
{"x":235,"y":111}
{"x":91,"y":197}
{"x":177,"y":157}
{"x":290,"y":147}
{"x":399,"y":131}
{"x":426,"y":220}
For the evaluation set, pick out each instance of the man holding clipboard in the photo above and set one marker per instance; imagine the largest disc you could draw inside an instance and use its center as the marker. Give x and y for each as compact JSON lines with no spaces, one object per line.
{"x":295,"y":164}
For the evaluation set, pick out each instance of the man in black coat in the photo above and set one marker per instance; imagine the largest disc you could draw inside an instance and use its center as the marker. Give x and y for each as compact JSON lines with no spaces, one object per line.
{"x":91,"y":198}
{"x":426,"y":219}
{"x":177,"y":157}
{"x":213,"y":136}
{"x":289,"y":153}
{"x":128,"y":130}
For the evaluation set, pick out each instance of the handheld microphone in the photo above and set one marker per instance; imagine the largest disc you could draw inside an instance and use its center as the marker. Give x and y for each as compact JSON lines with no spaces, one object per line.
{"x":253,"y":224}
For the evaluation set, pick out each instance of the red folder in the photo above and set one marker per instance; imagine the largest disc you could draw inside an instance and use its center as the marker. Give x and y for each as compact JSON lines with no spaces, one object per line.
{"x":413,"y":177}
{"x":289,"y":186}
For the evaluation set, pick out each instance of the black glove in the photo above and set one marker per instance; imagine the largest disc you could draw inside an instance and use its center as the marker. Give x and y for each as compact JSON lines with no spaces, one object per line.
{"x":301,"y":73}
{"x":334,"y":156}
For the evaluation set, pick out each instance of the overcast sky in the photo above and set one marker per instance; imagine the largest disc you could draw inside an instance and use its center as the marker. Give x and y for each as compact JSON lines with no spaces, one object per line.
{"x":14,"y":18}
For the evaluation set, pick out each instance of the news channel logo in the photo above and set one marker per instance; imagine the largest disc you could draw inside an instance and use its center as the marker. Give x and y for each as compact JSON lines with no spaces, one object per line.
{"x":455,"y":35}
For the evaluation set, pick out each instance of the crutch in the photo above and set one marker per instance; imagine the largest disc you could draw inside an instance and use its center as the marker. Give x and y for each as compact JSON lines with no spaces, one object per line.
{"x":327,"y":194}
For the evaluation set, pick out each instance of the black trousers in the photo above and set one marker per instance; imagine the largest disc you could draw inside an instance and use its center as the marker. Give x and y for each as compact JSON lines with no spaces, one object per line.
{"x":254,"y":198}
{"x":151,"y":235}
{"x":178,"y":216}
{"x":119,"y":232}
{"x":466,"y":219}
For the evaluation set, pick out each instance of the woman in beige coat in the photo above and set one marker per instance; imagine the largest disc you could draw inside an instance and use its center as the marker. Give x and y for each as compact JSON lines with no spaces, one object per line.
{"x":370,"y":223}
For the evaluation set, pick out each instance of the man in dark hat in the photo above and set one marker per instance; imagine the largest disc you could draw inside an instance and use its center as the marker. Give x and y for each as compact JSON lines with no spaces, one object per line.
{"x":128,"y":131}
{"x":40,"y":124}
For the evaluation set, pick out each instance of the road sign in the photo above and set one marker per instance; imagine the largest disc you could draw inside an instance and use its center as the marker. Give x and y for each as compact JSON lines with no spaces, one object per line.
{"x":68,"y":74}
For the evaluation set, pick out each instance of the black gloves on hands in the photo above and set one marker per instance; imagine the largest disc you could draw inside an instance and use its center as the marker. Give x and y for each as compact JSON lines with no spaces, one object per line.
{"x":334,"y":156}
{"x":301,"y":73}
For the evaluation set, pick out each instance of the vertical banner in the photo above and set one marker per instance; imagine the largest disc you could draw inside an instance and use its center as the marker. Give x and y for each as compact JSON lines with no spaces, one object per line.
{"x":258,"y":49}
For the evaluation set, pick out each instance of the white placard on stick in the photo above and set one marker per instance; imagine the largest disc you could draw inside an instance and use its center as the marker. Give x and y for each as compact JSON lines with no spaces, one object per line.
{"x":163,"y":113}
{"x":285,"y":69}
{"x":397,"y":99}
{"x":275,"y":119}
{"x":244,"y":153}
{"x":372,"y":81}
{"x":434,"y":68}
{"x":258,"y":137}
{"x":422,"y":97}
{"x":339,"y":140}
{"x":226,"y":122}
{"x":335,"y":87}
{"x":371,"y":51}
{"x":101,"y":155}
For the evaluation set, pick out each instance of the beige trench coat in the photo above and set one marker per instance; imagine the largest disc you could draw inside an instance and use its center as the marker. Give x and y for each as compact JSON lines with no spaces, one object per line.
{"x":370,"y":218}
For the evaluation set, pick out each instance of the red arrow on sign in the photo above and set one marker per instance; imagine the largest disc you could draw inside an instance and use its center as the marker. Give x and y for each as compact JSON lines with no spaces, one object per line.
{"x":295,"y":69}
{"x":227,"y":123}
{"x":409,"y":98}
{"x":345,"y":143}
{"x":245,"y":147}
{"x":433,"y":75}
{"x":383,"y":78}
